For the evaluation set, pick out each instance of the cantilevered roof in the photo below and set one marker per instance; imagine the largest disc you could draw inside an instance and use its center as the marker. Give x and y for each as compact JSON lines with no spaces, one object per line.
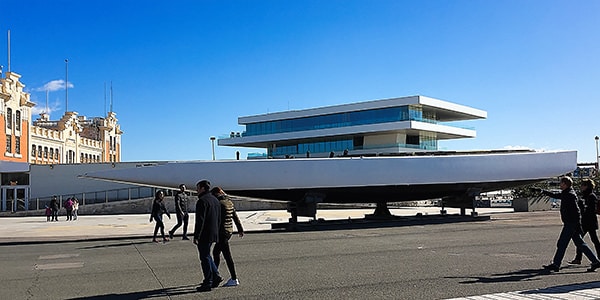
{"x":445,"y":111}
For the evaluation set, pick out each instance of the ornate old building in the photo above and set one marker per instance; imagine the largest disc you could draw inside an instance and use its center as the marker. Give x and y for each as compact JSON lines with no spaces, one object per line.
{"x":71,"y":139}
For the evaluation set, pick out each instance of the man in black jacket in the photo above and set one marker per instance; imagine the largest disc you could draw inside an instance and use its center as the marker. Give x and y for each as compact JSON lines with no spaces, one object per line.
{"x":206,"y":232}
{"x":571,"y":218}
{"x":181,"y":210}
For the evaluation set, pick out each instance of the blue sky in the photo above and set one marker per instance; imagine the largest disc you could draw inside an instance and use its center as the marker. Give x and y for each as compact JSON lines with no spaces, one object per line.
{"x":183,"y":71}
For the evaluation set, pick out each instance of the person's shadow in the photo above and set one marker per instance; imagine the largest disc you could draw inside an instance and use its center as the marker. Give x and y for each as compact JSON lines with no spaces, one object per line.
{"x":165,"y":292}
{"x":521,"y":275}
{"x":532,"y":274}
{"x":124,"y":244}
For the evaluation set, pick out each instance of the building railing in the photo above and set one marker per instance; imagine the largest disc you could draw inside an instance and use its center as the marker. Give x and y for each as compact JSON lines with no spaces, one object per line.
{"x":95,"y":197}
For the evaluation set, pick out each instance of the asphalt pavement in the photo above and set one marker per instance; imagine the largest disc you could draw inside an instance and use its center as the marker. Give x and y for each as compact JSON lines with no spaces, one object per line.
{"x":97,"y":227}
{"x":111,"y":257}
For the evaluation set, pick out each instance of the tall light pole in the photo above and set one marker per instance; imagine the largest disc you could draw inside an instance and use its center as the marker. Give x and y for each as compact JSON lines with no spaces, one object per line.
{"x":212,"y":141}
{"x":597,"y":157}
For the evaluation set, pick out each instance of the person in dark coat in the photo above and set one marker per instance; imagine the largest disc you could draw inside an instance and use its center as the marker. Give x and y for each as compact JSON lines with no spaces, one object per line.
{"x":589,"y":221}
{"x":206,"y":232}
{"x":571,"y":218}
{"x":181,"y":210}
{"x":228,"y":218}
{"x":158,"y":209}
{"x":54,"y":207}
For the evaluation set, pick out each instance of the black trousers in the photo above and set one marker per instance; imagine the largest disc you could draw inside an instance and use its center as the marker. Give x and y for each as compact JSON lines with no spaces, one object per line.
{"x":595,"y":241}
{"x":159,"y":225}
{"x":223,"y":246}
{"x":181,"y":218}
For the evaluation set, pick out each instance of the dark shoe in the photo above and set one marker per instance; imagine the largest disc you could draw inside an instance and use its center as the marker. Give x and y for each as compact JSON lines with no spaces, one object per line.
{"x":203,"y":288}
{"x":185,"y":238}
{"x":593,"y":267}
{"x":553,"y":267}
{"x":217,"y":281}
{"x":171,"y":234}
{"x":575,"y":262}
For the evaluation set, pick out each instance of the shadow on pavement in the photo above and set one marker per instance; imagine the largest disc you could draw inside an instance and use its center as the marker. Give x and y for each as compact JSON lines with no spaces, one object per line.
{"x":366,"y":223}
{"x":521,"y":275}
{"x":561,"y":289}
{"x":166,"y":292}
{"x":115,"y":245}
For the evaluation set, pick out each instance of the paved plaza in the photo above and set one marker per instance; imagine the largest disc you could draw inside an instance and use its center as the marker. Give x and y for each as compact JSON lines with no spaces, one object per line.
{"x":111,"y":257}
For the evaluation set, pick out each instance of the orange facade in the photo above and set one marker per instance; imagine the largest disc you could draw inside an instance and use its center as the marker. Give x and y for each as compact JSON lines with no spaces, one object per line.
{"x":12,"y":154}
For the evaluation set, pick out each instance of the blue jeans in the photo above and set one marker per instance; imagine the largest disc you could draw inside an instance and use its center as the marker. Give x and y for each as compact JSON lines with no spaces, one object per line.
{"x":570,"y":232}
{"x":209,"y":269}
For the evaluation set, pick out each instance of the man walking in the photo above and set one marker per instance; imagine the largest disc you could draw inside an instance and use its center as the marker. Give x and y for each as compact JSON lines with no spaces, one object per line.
{"x":206,"y":232}
{"x":571,"y":218}
{"x":181,"y":210}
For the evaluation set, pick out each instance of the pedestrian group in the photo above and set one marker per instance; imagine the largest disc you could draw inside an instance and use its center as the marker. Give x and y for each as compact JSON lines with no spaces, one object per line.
{"x":215,"y":218}
{"x":574,"y":225}
{"x":71,"y":206}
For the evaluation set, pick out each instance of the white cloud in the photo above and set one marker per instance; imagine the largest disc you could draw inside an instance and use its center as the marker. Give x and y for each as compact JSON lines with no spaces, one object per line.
{"x":38,"y":109}
{"x":54,"y":85}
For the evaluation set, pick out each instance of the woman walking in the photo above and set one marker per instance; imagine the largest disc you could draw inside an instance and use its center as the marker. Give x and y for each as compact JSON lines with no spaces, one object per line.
{"x":228,"y":217}
{"x":158,"y":209}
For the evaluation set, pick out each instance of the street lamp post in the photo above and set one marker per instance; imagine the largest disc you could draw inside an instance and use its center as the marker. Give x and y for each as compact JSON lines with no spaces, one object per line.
{"x":212,"y":141}
{"x":597,"y":156}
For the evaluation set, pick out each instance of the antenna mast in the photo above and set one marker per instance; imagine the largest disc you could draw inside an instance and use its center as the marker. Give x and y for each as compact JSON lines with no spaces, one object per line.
{"x":111,"y":97}
{"x":9,"y":50}
{"x":105,"y":98}
{"x":66,"y":85}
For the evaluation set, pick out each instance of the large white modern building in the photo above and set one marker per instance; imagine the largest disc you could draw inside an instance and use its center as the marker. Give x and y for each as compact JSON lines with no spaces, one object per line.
{"x":406,"y":124}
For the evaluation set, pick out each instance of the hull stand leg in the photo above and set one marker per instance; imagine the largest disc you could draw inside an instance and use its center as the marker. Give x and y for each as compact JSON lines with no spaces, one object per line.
{"x":381,"y":212}
{"x":443,"y":210}
{"x":307,"y":207}
{"x":464,"y":201}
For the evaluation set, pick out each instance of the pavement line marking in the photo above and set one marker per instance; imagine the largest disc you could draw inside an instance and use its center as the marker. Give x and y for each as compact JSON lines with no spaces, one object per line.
{"x":152,"y":270}
{"x":58,"y":256}
{"x":59,"y":266}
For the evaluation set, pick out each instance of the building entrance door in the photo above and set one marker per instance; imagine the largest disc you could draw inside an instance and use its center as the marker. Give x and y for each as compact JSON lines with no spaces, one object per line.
{"x":15,"y":198}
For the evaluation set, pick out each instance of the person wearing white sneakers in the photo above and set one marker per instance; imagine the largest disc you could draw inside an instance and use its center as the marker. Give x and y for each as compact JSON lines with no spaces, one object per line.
{"x":228,"y":217}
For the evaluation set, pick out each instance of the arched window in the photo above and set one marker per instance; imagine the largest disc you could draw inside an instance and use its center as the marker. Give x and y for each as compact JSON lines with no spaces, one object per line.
{"x":33,"y":150}
{"x":51,"y":153}
{"x":39,"y":151}
{"x":18,"y":120}
{"x":45,"y":152}
{"x":17,"y":144}
{"x":56,"y":154}
{"x":9,"y":118}
{"x":8,"y":143}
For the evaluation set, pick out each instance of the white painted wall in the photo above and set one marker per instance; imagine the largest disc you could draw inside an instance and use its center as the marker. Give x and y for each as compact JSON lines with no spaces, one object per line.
{"x":61,"y":179}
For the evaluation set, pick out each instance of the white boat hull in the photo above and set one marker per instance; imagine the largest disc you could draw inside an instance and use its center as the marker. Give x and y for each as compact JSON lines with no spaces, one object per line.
{"x":357,"y":179}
